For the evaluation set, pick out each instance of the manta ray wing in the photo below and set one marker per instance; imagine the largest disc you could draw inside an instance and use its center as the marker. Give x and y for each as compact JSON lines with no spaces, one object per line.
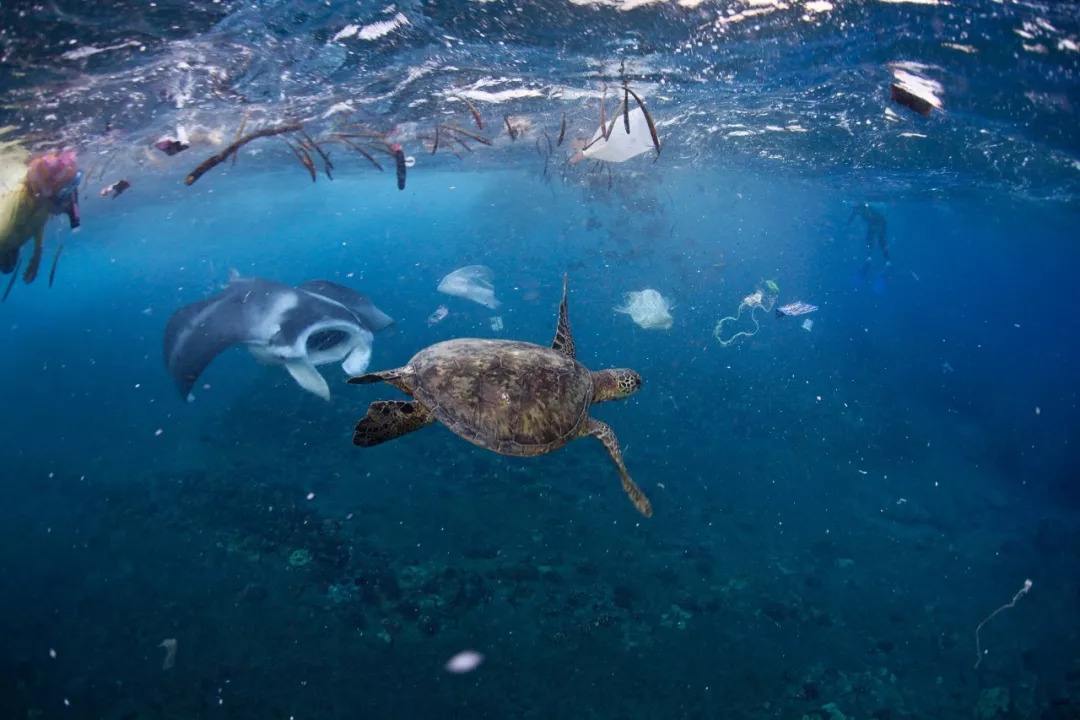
{"x":357,"y":303}
{"x":242,"y":313}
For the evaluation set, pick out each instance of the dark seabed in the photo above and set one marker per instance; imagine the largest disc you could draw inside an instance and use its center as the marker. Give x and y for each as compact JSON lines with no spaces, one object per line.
{"x":836,"y":507}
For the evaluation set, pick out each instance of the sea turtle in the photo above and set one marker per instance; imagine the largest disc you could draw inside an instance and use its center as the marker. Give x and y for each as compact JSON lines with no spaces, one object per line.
{"x":512,"y":397}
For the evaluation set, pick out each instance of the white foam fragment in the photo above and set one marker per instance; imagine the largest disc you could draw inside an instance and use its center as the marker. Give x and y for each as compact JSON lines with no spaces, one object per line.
{"x":345,"y":33}
{"x":465,"y":661}
{"x":501,"y":95}
{"x":81,"y":53}
{"x":818,"y":6}
{"x":968,"y":49}
{"x":341,"y":107}
{"x":376,"y":30}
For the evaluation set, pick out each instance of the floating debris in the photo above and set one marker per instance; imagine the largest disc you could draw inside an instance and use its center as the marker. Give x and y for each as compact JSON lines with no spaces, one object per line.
{"x":497,"y":323}
{"x":114,"y":190}
{"x":472,"y":282}
{"x":763,"y":298}
{"x":647,"y":308}
{"x":169,"y":644}
{"x":214,"y":160}
{"x":914,"y":91}
{"x":464,"y":662}
{"x":438,"y":316}
{"x":808,"y":324}
{"x":171,"y":146}
{"x":795,"y":309}
{"x":618,"y":147}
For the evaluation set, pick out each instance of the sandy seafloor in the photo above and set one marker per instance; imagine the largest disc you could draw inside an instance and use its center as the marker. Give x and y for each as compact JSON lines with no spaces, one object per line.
{"x":835,"y":509}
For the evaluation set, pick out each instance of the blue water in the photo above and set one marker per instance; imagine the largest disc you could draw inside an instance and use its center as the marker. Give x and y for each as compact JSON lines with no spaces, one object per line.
{"x":836,"y":509}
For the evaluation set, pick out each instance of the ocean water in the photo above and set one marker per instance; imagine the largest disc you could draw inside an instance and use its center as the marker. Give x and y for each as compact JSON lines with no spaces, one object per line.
{"x":837,"y":508}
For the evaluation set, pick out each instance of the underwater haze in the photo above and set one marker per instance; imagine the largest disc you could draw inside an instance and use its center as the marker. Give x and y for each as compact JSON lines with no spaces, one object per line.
{"x":865,"y":506}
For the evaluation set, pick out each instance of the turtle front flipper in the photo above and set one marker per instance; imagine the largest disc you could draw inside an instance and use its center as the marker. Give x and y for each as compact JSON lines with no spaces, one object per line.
{"x":389,"y":419}
{"x":564,"y":340}
{"x":603,"y":432}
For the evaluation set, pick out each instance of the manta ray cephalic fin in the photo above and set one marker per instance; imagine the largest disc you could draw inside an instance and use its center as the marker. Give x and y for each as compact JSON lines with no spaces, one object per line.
{"x":307,"y":377}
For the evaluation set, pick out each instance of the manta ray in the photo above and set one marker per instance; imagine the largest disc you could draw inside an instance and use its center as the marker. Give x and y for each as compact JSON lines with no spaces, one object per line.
{"x":315,"y":323}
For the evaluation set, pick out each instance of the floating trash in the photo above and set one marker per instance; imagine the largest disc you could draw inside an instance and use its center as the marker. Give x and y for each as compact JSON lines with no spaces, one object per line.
{"x":169,"y":644}
{"x":914,"y":91}
{"x":472,"y":282}
{"x":464,"y":662}
{"x":438,"y":316}
{"x":620,"y":146}
{"x":763,"y":298}
{"x":114,"y":190}
{"x":807,"y":324}
{"x":795,"y":309}
{"x":497,"y":323}
{"x":647,"y":308}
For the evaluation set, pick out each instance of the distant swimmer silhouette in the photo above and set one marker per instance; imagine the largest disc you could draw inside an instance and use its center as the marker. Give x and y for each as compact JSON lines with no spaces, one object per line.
{"x":876,"y":233}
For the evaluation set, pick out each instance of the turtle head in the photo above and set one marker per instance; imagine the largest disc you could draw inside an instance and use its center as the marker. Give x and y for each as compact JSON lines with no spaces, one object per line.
{"x":615,"y":384}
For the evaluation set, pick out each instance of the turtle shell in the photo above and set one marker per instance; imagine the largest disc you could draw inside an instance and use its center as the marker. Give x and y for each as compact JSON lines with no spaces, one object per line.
{"x":512,"y":397}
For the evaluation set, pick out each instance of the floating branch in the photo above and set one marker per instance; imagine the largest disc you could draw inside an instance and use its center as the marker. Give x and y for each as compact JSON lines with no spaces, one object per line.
{"x":562,"y":130}
{"x":472,"y":136}
{"x":304,"y":158}
{"x":345,"y":140}
{"x":603,"y":114}
{"x":510,"y":128}
{"x":472,"y":109}
{"x":239,"y":134}
{"x":648,"y":120}
{"x":460,"y":142}
{"x":327,"y":165}
{"x":214,"y":160}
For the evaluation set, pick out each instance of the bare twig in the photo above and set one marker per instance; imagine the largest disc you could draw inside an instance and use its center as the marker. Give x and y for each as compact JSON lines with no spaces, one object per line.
{"x":214,"y":160}
{"x":344,"y":139}
{"x":472,"y":109}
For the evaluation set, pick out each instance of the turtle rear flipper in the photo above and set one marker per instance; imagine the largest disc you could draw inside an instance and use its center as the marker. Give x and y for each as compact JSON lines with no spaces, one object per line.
{"x":603,"y":432}
{"x":389,"y":419}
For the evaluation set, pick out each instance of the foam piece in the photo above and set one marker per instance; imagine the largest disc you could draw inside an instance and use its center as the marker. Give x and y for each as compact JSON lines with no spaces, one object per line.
{"x":648,"y":308}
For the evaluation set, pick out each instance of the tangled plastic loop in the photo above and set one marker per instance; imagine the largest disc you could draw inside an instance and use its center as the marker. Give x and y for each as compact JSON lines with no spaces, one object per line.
{"x":763,"y":298}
